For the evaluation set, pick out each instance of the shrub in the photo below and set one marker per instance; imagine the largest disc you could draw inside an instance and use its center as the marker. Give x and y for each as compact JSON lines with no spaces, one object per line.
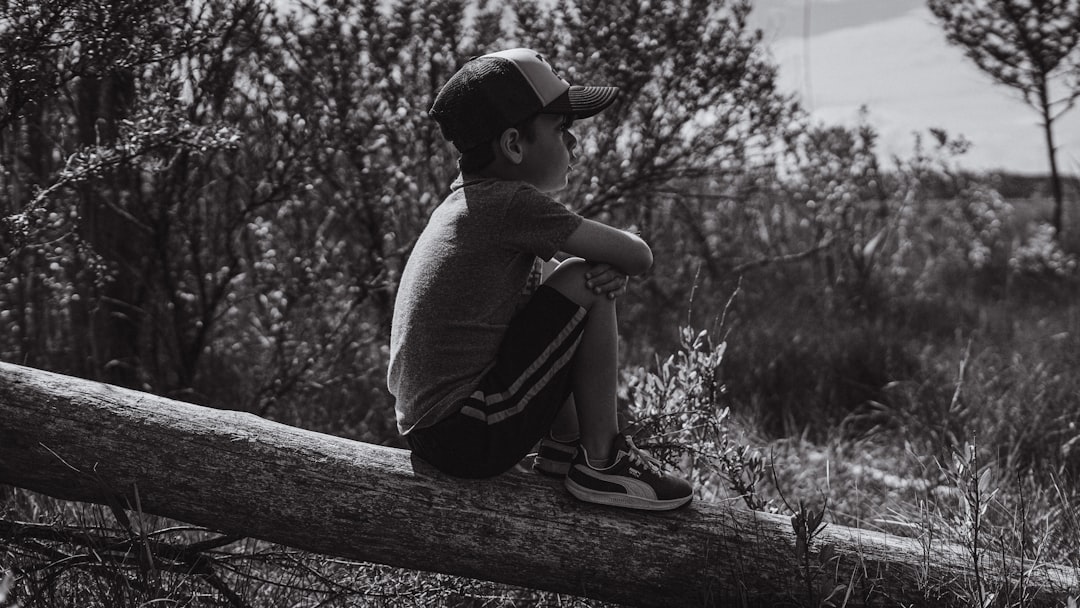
{"x":678,"y":408}
{"x":1041,"y":255}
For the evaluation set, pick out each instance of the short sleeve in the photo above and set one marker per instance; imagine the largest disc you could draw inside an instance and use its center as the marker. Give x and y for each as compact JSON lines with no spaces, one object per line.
{"x":538,"y":224}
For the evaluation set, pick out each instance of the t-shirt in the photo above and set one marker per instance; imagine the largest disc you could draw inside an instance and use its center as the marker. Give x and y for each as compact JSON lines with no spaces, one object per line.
{"x":468,"y":274}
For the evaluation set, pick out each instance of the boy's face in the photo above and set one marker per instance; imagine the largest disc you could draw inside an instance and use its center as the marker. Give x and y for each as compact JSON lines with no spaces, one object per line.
{"x":550,"y":153}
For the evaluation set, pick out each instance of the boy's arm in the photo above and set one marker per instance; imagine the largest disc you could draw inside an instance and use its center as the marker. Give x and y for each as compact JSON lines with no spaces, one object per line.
{"x":602,"y":244}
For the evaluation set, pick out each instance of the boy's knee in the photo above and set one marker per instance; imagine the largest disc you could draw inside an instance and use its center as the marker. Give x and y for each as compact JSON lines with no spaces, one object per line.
{"x":569,"y":280}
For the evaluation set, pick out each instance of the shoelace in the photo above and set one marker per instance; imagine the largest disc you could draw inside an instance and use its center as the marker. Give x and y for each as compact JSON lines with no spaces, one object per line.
{"x":642,"y":457}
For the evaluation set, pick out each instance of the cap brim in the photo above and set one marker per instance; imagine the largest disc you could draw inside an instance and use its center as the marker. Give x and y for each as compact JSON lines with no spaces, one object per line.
{"x":582,"y":101}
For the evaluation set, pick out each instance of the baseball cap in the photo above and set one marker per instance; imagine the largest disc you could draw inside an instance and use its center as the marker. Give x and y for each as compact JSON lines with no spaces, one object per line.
{"x":494,"y":92}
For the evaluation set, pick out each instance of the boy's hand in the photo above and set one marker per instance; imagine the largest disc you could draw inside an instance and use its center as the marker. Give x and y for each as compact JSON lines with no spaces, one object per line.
{"x":606,"y":279}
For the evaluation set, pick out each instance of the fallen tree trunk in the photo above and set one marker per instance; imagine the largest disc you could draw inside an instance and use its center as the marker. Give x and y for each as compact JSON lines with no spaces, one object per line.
{"x":243,"y":475}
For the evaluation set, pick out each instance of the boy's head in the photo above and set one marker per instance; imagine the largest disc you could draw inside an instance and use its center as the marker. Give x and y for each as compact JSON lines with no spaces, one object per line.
{"x":499,"y":91}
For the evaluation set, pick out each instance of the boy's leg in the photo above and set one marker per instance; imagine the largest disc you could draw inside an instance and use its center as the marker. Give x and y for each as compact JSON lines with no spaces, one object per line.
{"x":565,"y":427}
{"x":595,"y":367}
{"x":609,"y":469}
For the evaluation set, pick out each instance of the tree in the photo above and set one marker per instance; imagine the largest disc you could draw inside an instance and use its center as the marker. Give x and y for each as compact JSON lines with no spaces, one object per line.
{"x":1032,"y":46}
{"x":121,"y":213}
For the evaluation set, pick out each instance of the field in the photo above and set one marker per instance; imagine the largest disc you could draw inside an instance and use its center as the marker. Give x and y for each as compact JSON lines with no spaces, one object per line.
{"x":950,"y":416}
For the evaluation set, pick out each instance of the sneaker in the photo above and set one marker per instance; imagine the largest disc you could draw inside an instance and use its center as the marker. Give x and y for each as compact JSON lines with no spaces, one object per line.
{"x":635,"y":480}
{"x":553,"y":457}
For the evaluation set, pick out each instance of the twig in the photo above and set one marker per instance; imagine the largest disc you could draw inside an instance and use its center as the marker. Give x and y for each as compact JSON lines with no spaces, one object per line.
{"x":783,"y":259}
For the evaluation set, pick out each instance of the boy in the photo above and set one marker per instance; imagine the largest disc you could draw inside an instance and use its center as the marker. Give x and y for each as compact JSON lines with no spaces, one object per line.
{"x":485,"y":360}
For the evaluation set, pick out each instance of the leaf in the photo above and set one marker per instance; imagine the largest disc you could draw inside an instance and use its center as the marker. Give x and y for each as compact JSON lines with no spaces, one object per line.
{"x":841,"y":588}
{"x":872,"y":245}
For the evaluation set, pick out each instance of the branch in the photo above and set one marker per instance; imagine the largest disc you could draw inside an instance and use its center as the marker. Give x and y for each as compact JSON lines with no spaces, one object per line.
{"x":783,"y":259}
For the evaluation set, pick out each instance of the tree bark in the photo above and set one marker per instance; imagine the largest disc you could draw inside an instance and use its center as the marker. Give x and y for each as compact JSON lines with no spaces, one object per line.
{"x":234,"y":472}
{"x":1055,"y":179}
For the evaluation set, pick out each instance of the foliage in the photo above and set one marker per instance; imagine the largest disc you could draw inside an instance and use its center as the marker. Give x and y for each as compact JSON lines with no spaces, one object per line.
{"x":1031,"y":47}
{"x":225,"y":217}
{"x":1042,"y":254}
{"x":1031,"y":43}
{"x":948,"y":225}
{"x":677,"y":408}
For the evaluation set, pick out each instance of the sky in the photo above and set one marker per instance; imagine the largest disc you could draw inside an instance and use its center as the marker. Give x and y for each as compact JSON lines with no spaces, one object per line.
{"x":892,"y":57}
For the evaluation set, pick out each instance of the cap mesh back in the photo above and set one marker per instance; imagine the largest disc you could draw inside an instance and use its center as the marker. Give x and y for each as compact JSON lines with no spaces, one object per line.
{"x":486,"y":96}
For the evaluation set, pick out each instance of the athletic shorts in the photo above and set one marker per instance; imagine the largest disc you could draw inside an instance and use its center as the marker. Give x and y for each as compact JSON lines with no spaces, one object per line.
{"x":517,"y":399}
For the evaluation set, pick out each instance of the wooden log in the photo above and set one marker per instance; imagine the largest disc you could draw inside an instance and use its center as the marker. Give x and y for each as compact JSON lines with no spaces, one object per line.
{"x":243,"y":475}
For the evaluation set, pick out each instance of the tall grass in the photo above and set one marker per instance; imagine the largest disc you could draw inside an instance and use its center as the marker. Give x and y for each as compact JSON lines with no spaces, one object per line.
{"x":941,"y":404}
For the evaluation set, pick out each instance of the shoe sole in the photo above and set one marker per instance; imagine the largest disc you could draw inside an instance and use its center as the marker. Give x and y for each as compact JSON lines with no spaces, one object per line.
{"x":624,"y":500}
